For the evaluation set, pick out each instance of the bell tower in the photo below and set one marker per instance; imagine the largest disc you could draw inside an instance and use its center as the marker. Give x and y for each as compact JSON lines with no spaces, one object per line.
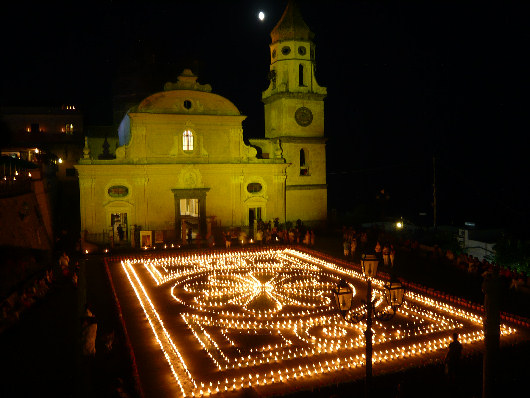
{"x":294,"y":102}
{"x":294,"y":116}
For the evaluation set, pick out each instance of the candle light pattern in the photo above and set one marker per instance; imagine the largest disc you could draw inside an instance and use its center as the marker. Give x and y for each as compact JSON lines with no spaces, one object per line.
{"x":265,"y":319}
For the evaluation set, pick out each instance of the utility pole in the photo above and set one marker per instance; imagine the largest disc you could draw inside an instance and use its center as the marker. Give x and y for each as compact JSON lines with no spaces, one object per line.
{"x":368,"y":340}
{"x":434,"y":190}
{"x":491,"y":327}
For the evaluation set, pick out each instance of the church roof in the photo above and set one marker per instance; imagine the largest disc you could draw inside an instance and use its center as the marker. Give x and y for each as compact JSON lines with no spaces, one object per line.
{"x":291,"y":25}
{"x":188,"y":97}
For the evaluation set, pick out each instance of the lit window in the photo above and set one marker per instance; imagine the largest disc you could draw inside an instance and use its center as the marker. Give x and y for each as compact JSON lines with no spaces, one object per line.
{"x":187,"y":140}
{"x":69,"y":128}
{"x":189,"y":207}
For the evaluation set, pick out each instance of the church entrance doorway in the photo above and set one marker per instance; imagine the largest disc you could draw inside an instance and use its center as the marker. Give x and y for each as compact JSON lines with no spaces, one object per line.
{"x":120,"y":230}
{"x":190,"y":212}
{"x":254,"y":215}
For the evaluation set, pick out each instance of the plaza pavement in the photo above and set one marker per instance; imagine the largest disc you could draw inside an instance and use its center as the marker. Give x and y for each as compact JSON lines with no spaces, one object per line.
{"x":40,"y":354}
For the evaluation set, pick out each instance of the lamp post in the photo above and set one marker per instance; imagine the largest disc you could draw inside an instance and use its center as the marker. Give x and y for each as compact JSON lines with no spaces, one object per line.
{"x":394,"y":294}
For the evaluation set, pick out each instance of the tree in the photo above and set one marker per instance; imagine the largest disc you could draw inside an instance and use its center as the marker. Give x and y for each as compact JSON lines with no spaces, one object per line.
{"x":514,"y":253}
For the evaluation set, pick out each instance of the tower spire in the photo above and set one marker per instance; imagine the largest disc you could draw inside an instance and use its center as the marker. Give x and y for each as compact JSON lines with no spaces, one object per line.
{"x":291,"y":25}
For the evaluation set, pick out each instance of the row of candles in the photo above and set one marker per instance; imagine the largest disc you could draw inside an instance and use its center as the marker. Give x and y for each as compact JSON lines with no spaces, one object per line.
{"x":201,"y":279}
{"x":22,"y":174}
{"x":171,"y":353}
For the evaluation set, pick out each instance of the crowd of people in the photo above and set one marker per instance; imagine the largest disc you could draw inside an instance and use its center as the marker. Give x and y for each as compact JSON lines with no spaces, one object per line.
{"x":384,"y":245}
{"x":473,"y":265}
{"x":36,"y":289}
{"x":21,"y":300}
{"x":355,"y":243}
{"x":268,"y":233}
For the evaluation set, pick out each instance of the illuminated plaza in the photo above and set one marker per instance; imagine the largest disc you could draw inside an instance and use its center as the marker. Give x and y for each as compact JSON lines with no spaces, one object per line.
{"x":224,"y":322}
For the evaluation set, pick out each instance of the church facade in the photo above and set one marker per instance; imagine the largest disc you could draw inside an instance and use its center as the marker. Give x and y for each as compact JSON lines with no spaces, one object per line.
{"x":182,"y":162}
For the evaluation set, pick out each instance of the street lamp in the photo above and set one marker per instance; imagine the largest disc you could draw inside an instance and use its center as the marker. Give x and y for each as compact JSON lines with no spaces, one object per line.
{"x":394,"y":294}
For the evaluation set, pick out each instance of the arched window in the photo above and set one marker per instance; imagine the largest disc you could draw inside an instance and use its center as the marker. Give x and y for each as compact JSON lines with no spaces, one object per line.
{"x":69,"y":128}
{"x":304,"y":170}
{"x":300,"y":75}
{"x":187,"y":141}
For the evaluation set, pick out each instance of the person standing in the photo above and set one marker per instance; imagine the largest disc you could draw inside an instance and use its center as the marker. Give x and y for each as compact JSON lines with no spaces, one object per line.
{"x":392,"y":255}
{"x":89,"y":327}
{"x":377,"y":249}
{"x":346,"y":246}
{"x":386,"y":255}
{"x":64,"y":262}
{"x":87,"y":369}
{"x":307,"y":237}
{"x":452,"y":360}
{"x":190,"y":236}
{"x":120,"y":232}
{"x":353,"y":246}
{"x":291,"y":236}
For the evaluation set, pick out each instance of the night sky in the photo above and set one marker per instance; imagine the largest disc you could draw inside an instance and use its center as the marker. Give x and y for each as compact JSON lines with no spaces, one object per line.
{"x":407,"y":81}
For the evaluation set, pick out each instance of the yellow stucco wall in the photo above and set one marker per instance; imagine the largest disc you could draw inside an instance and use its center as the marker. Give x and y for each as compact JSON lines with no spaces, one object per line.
{"x":307,"y":204}
{"x":150,"y":200}
{"x":315,"y":158}
{"x":280,"y":118}
{"x":157,"y":138}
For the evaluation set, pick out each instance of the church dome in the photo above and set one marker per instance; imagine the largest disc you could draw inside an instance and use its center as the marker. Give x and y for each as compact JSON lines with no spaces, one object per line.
{"x":188,"y":97}
{"x":291,"y":25}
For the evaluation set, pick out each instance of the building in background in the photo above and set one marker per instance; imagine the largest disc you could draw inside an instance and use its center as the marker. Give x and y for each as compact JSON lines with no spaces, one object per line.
{"x":182,"y":163}
{"x":57,"y":131}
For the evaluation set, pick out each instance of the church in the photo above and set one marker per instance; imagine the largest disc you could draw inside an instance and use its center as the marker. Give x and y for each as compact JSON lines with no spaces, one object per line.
{"x":182,"y":163}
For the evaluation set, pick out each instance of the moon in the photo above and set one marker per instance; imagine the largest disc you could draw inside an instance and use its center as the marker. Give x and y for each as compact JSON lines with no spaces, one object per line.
{"x":261,"y":15}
